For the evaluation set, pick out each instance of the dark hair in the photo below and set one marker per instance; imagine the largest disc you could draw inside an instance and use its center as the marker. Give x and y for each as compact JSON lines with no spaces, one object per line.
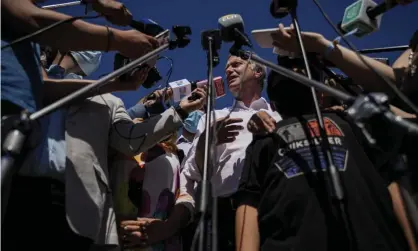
{"x":289,"y":97}
{"x":49,"y":54}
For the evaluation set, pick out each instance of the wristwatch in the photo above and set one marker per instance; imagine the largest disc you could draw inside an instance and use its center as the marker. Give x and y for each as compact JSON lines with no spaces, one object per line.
{"x":181,"y":112}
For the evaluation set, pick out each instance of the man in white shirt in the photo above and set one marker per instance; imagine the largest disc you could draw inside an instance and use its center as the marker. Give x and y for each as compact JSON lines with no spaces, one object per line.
{"x":245,"y":81}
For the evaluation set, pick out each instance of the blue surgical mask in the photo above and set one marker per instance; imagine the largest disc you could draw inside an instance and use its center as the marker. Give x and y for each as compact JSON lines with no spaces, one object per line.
{"x":88,"y":61}
{"x":191,"y":122}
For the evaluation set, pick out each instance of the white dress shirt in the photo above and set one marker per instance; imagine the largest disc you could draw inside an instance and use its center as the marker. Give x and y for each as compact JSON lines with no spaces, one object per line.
{"x":229,"y":156}
{"x":184,"y":144}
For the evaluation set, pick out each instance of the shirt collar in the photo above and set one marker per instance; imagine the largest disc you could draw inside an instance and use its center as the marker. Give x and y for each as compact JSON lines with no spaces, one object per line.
{"x":257,"y":105}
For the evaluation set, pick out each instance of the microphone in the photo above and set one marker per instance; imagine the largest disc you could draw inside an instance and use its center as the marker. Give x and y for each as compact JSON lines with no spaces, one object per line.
{"x":182,"y":88}
{"x":232,"y":29}
{"x":280,"y":8}
{"x":147,"y":26}
{"x":365,"y":16}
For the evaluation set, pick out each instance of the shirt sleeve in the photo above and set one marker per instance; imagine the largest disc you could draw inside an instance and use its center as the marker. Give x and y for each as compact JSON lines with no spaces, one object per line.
{"x":258,"y":158}
{"x":190,"y":173}
{"x":137,"y":111}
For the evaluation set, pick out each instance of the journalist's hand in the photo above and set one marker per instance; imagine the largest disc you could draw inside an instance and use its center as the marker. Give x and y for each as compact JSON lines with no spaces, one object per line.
{"x":158,"y":96}
{"x":286,"y":39}
{"x":227,"y":130}
{"x":133,"y":44}
{"x":193,"y":105}
{"x":115,"y":12}
{"x":144,"y":232}
{"x":261,"y":123}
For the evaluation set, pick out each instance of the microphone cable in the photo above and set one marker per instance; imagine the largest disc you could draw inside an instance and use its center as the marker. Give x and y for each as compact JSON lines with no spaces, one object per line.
{"x":354,"y":49}
{"x":49,"y":27}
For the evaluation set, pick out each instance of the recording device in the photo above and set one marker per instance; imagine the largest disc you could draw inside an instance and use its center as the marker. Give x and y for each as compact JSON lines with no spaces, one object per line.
{"x":232,"y":29}
{"x":365,"y":16}
{"x":182,"y":88}
{"x":280,"y":8}
{"x":151,"y":28}
{"x":264,"y":40}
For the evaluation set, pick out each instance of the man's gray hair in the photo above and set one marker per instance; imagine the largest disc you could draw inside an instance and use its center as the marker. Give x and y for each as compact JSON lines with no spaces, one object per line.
{"x":259,"y":68}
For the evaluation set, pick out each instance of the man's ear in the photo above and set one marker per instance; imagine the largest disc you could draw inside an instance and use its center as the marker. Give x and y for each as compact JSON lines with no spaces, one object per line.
{"x":258,"y":72}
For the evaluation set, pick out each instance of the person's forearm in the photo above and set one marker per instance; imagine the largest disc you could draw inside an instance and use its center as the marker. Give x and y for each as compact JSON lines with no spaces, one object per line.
{"x":348,"y":62}
{"x":25,"y":17}
{"x":402,"y":113}
{"x":247,"y":236}
{"x":55,"y":89}
{"x":400,"y":213}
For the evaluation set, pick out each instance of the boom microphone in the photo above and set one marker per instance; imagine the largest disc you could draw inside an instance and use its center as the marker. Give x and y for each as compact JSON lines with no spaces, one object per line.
{"x":232,"y":29}
{"x":364,"y":16}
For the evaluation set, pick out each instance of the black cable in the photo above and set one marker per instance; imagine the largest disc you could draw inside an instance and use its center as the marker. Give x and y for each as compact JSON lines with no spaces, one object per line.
{"x":54,"y":25}
{"x":354,"y":49}
{"x":168,"y":75}
{"x":143,"y":136}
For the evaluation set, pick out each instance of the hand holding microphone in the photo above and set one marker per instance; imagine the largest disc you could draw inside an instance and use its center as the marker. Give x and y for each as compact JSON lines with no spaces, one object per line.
{"x":114,"y":11}
{"x":192,"y":105}
{"x":131,"y":43}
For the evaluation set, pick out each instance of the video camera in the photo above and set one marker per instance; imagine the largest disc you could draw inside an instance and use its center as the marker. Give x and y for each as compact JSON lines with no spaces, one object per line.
{"x":148,"y":27}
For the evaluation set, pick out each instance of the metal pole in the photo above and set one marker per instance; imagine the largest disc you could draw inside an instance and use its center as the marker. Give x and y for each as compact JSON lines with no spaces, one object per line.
{"x":56,"y":6}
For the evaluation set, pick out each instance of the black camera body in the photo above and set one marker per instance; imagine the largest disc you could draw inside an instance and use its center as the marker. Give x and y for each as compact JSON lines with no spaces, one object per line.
{"x":150,"y":28}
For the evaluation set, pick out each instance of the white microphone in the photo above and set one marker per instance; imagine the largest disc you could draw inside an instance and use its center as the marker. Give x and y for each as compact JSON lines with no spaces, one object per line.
{"x":183,"y":88}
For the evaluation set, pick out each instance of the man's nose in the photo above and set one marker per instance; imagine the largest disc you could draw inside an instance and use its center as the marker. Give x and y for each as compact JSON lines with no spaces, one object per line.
{"x":228,"y":70}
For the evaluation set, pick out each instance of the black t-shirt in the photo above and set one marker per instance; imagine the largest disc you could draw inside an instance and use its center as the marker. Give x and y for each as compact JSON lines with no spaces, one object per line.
{"x":284,"y":177}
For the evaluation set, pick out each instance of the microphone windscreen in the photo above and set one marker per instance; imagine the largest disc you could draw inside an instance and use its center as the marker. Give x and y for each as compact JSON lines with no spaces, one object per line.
{"x":228,"y":24}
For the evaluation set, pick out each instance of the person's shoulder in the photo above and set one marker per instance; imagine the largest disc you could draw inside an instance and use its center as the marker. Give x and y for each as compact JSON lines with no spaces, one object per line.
{"x":263,"y":142}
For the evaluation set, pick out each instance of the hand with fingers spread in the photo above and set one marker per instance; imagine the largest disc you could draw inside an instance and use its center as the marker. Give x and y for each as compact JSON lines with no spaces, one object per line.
{"x":261,"y":123}
{"x":286,"y":39}
{"x":227,"y":130}
{"x":143,"y":232}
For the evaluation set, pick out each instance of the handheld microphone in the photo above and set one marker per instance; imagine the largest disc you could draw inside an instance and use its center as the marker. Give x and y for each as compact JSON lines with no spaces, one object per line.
{"x":280,"y":8}
{"x":365,"y":16}
{"x":232,"y":29}
{"x":182,"y":88}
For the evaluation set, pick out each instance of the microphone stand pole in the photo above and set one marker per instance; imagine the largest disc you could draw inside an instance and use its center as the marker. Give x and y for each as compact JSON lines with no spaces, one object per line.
{"x":384,"y":49}
{"x":211,"y":42}
{"x":19,"y":127}
{"x":56,"y":6}
{"x":337,"y":190}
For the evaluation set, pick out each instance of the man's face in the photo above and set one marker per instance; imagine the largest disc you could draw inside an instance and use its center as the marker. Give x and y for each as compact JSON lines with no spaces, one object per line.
{"x":235,"y":69}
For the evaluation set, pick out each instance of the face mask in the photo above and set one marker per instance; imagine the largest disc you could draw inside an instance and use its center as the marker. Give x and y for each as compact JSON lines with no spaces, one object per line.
{"x":191,"y":122}
{"x":88,"y":61}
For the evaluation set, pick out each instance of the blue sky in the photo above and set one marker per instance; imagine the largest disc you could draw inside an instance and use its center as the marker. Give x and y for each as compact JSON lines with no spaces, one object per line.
{"x":396,"y":29}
